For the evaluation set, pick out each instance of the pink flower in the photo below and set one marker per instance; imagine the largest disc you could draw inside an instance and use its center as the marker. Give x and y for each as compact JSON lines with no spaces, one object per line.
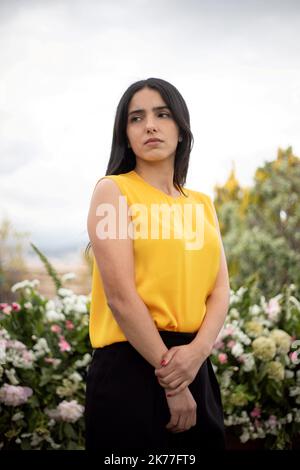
{"x":70,"y":411}
{"x":7,"y":309}
{"x":223,"y":358}
{"x":272,"y":421}
{"x":272,"y":309}
{"x":230,"y":344}
{"x":257,"y":423}
{"x":14,"y":395}
{"x":15,"y":306}
{"x":69,"y":325}
{"x":15,"y":344}
{"x":49,"y":360}
{"x":256,"y":412}
{"x":27,"y":356}
{"x":56,"y":328}
{"x":219,"y":345}
{"x":294,"y":357}
{"x":52,"y":360}
{"x":63,"y":344}
{"x":3,"y":305}
{"x":229,"y":330}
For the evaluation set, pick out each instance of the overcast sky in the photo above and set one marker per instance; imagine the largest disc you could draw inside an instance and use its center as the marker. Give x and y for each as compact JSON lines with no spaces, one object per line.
{"x":66,"y":63}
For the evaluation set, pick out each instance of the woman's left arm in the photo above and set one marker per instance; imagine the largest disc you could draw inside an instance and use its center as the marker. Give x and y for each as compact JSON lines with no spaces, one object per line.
{"x":183,"y":362}
{"x":217,"y":306}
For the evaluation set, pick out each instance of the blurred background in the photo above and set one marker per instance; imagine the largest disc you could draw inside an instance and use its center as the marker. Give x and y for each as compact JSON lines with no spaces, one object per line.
{"x":64,"y":67}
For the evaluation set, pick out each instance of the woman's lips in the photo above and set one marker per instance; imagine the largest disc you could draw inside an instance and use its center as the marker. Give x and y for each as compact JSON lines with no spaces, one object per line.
{"x":153,"y":142}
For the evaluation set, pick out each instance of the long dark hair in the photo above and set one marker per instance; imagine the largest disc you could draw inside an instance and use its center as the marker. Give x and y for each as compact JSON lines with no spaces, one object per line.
{"x":122,"y":159}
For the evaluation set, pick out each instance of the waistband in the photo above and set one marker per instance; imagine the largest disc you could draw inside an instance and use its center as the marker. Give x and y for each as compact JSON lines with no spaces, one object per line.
{"x":179,"y":334}
{"x":169,"y":337}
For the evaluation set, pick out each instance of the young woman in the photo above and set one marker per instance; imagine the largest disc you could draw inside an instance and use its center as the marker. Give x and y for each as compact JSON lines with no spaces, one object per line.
{"x":160,"y":287}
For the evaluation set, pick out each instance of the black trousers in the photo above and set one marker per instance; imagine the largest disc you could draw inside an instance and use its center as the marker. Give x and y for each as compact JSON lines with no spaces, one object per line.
{"x":126,"y":407}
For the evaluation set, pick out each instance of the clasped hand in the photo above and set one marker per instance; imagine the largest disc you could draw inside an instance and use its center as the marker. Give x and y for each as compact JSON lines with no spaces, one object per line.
{"x":180,"y":365}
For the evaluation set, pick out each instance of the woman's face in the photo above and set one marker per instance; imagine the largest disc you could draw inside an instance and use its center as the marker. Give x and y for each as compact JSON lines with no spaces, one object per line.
{"x":149,"y":117}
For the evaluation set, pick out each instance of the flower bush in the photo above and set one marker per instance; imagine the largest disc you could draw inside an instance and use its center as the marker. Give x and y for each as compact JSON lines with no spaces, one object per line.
{"x":256,"y":359}
{"x":44,"y":355}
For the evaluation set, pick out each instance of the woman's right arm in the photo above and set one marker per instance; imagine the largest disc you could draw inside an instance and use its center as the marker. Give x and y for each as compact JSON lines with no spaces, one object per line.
{"x":115,"y":260}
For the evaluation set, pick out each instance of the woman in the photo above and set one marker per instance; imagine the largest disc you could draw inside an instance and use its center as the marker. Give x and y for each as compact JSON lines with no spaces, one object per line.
{"x":158,"y":299}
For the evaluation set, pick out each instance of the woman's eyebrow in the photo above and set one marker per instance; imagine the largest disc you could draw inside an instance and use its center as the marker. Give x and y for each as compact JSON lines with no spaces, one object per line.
{"x":157,"y":108}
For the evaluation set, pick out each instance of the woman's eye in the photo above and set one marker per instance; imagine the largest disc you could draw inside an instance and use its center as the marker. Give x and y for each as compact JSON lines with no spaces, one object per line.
{"x":134,"y":118}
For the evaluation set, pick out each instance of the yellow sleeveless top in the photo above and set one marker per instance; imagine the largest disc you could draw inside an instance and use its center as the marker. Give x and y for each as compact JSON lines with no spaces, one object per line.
{"x":175,"y":271}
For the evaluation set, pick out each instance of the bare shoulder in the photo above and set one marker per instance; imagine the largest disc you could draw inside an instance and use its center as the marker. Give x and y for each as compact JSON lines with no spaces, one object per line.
{"x":106,"y":188}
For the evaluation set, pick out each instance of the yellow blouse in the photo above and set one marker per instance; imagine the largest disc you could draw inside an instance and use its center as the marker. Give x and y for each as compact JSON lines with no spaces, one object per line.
{"x":175,"y":271}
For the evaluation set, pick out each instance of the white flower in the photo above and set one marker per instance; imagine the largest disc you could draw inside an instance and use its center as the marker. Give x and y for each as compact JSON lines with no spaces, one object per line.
{"x":245,"y":436}
{"x":241,"y":291}
{"x":4,"y":334}
{"x":70,"y":411}
{"x":237,"y":350}
{"x":19,"y":356}
{"x":296,"y":415}
{"x":225,"y":378}
{"x":75,"y":377}
{"x":20,"y":285}
{"x":17,"y":416}
{"x":41,"y":348}
{"x":81,"y":308}
{"x":233,"y":298}
{"x":68,"y":276}
{"x":261,"y":433}
{"x":11,"y":375}
{"x":50,"y":305}
{"x":254,"y":310}
{"x":264,"y":348}
{"x":289,"y":374}
{"x":84,"y":361}
{"x":53,"y":316}
{"x":26,"y":284}
{"x":234,"y":313}
{"x":282,"y":340}
{"x":28,"y":305}
{"x":248,"y":361}
{"x":65,"y":292}
{"x":294,"y":391}
{"x":242,"y":337}
{"x":2,"y":351}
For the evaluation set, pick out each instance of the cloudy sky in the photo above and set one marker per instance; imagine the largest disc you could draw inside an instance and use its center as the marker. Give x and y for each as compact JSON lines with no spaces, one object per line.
{"x":66,"y":63}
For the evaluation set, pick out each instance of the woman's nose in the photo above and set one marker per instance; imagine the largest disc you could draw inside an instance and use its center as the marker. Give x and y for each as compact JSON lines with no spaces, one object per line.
{"x":150,"y":126}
